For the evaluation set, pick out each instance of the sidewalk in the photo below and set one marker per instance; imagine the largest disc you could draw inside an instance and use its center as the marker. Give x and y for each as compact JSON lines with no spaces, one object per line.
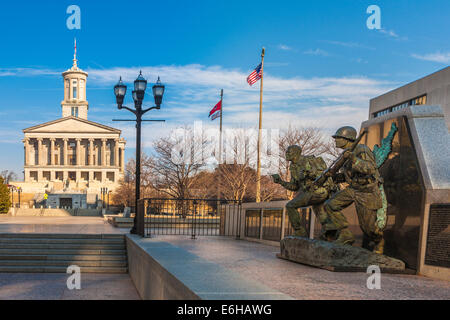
{"x":52,"y":286}
{"x":258,"y":261}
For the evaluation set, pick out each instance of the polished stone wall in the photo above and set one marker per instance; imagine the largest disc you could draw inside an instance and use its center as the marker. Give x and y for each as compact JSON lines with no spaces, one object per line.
{"x":404,"y":191}
{"x":416,"y":178}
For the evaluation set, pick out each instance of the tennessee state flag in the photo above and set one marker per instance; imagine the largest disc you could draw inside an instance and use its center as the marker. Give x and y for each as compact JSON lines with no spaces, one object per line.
{"x":217,"y":107}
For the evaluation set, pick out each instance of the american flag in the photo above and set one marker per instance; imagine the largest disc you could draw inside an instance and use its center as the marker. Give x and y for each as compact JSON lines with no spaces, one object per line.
{"x":255,"y":75}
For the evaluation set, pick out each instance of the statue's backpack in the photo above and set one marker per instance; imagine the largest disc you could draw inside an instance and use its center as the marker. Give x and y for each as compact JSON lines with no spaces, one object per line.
{"x":317,"y":165}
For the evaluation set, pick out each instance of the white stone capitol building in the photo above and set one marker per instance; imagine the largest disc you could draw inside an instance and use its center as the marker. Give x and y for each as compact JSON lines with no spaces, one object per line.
{"x":72,"y":155}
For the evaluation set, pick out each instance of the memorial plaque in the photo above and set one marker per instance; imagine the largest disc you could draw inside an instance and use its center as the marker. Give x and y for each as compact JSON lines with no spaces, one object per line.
{"x":438,"y":239}
{"x":272,"y":224}
{"x":252,"y":223}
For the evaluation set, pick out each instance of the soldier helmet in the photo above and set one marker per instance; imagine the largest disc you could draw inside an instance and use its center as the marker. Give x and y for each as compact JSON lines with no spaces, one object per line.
{"x":346,"y":132}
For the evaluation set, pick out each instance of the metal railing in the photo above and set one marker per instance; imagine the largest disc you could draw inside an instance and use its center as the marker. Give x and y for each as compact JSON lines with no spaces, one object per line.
{"x":194,"y":217}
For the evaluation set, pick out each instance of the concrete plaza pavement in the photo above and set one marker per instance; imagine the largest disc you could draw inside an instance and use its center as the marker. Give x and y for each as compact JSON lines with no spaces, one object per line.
{"x":258,"y":262}
{"x":53,"y":286}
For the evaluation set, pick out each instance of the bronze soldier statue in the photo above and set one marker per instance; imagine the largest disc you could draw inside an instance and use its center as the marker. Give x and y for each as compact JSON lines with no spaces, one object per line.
{"x":360,"y":172}
{"x":304,"y":170}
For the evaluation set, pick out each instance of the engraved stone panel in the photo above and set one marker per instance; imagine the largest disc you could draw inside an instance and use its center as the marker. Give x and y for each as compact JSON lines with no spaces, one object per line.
{"x":438,"y":239}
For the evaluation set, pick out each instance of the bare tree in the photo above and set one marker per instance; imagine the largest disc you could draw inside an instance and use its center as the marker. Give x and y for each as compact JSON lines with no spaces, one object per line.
{"x":177,"y":161}
{"x":8,"y":176}
{"x":204,"y":185}
{"x":236,"y":178}
{"x":271,"y":191}
{"x":125,"y":192}
{"x":331,"y":151}
{"x":236,"y":181}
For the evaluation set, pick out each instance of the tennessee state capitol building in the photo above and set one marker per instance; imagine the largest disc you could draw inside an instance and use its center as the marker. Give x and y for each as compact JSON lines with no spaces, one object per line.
{"x":72,"y":158}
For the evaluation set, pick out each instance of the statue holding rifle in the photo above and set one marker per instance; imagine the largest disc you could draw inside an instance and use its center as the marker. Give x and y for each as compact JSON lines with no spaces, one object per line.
{"x":359,"y":169}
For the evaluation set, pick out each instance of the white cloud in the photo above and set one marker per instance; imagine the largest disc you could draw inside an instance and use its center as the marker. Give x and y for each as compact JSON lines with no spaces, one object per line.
{"x":26,"y":72}
{"x":435,"y":57}
{"x":284,"y":47}
{"x":192,"y":90}
{"x":347,"y":44}
{"x":317,"y":52}
{"x":392,"y":34}
{"x":195,"y":88}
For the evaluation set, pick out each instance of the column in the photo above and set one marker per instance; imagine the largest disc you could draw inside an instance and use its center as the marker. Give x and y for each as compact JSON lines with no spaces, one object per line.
{"x":78,"y":158}
{"x":78,"y":93}
{"x":70,"y":89}
{"x":26,"y":143}
{"x":52,"y":175}
{"x":122,"y":167}
{"x":103,"y":152}
{"x":65,"y":152}
{"x":116,"y":152}
{"x":58,"y":148}
{"x":39,"y":151}
{"x":91,"y":151}
{"x":52,"y":151}
{"x":46,"y":146}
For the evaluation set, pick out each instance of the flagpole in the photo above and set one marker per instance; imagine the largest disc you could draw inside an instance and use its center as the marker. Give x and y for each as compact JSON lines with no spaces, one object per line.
{"x":220,"y":141}
{"x":258,"y":169}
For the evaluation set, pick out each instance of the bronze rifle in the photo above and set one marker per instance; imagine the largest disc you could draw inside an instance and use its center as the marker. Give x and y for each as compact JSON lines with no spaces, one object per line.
{"x":338,"y":163}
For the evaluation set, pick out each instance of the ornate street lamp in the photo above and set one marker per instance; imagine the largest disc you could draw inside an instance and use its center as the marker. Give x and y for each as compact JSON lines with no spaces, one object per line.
{"x":138,"y":94}
{"x":158,"y":92}
{"x":140,"y":84}
{"x":120,"y":90}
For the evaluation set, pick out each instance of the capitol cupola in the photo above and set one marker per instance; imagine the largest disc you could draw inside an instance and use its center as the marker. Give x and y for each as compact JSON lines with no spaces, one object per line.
{"x":75,"y":103}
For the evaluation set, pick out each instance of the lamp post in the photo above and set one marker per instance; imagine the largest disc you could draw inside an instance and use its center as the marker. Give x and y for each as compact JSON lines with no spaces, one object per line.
{"x":140,"y":85}
{"x":11,"y":189}
{"x":104,"y":191}
{"x":19,"y":190}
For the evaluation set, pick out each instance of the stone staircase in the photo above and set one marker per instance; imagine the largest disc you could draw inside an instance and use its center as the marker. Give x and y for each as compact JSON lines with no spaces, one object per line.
{"x":53,"y":253}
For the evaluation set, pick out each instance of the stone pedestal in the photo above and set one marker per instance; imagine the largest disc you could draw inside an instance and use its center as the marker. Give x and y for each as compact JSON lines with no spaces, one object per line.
{"x":335,"y":257}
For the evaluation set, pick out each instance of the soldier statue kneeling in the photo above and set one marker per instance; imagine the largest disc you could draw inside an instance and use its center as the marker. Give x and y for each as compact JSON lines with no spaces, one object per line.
{"x":365,"y":189}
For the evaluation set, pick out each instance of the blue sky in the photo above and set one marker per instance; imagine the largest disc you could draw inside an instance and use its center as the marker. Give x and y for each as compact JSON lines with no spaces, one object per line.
{"x":322,"y":63}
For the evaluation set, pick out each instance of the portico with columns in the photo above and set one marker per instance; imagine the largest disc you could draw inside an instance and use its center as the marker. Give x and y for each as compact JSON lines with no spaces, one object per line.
{"x":53,"y":154}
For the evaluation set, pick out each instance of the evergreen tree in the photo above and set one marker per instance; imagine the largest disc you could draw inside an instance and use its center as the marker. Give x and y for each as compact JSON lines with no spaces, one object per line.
{"x":5,"y":198}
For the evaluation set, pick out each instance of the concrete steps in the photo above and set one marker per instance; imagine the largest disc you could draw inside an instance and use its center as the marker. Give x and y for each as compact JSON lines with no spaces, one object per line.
{"x":53,"y":253}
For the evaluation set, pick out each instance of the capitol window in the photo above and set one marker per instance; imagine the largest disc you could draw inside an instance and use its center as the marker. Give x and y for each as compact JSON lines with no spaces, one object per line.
{"x":74,"y":112}
{"x":74,"y":89}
